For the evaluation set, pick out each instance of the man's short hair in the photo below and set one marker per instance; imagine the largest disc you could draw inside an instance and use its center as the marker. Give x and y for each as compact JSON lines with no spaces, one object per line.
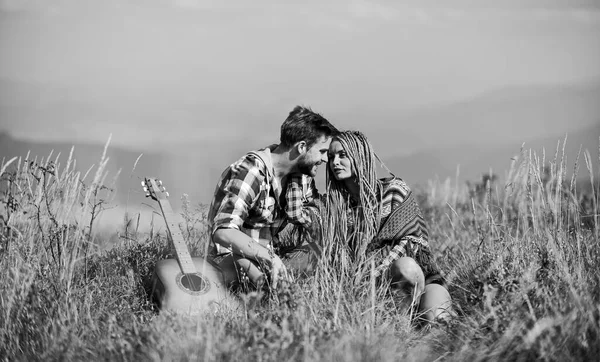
{"x":302,"y":124}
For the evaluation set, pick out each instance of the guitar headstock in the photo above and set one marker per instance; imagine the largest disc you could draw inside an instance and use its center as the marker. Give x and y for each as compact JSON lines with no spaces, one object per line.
{"x":154,"y":189}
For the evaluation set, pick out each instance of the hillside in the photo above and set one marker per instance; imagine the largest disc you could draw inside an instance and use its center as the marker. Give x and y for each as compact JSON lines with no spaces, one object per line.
{"x":492,"y":119}
{"x":177,"y":119}
{"x":194,"y":169}
{"x":89,"y":155}
{"x":471,"y":160}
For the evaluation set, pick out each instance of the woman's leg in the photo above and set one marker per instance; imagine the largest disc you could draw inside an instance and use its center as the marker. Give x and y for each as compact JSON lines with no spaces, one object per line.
{"x":409,"y":282}
{"x":407,"y":276}
{"x":433,"y":299}
{"x":436,"y":303}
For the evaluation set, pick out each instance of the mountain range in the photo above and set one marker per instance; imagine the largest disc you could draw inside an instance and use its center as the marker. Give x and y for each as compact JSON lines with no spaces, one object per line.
{"x":472,"y":136}
{"x":194,"y":170}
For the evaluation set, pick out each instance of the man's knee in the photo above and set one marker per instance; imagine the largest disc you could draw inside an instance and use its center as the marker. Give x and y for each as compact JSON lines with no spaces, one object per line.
{"x":302,"y":261}
{"x":407,"y":275}
{"x":238,"y":271}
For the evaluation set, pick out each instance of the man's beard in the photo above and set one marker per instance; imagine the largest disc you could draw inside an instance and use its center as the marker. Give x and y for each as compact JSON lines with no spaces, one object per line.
{"x":307,"y":168}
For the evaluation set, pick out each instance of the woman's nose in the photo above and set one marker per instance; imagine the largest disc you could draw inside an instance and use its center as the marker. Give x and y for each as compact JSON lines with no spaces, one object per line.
{"x":335,"y":160}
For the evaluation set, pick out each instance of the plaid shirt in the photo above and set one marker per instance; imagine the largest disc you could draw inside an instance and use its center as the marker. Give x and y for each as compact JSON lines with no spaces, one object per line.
{"x":248,"y":198}
{"x":395,"y":192}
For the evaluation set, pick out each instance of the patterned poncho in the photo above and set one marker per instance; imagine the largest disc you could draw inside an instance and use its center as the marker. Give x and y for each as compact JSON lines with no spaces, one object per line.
{"x":402,"y":231}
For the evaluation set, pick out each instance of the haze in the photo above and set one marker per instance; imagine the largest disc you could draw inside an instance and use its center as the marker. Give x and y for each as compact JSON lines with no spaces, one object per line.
{"x":183,"y":71}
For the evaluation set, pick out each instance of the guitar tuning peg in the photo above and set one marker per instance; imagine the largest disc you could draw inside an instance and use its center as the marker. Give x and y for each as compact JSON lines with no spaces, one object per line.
{"x":145,"y":189}
{"x":167,"y":194}
{"x":144,"y":183}
{"x":159,"y":182}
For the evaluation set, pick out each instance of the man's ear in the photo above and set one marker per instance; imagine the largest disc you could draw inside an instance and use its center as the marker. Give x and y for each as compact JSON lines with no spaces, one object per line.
{"x":301,"y":147}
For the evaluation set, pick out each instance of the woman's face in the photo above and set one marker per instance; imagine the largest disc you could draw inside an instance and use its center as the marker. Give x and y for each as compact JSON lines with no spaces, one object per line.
{"x":339,"y":162}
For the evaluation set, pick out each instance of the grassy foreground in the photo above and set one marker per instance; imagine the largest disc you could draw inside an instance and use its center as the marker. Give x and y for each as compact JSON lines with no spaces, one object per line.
{"x":522,"y":260}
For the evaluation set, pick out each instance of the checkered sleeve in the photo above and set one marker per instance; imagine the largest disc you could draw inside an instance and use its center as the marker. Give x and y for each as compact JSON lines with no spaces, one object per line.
{"x":239,"y":191}
{"x":301,"y":196}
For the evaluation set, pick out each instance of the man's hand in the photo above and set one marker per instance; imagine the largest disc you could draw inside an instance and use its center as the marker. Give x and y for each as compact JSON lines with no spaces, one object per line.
{"x":242,"y":245}
{"x":278,"y":271}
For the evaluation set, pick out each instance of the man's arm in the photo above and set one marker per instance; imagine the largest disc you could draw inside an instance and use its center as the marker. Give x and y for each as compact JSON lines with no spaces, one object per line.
{"x":303,"y":208}
{"x":239,"y":193}
{"x":243,"y":245}
{"x":301,"y":197}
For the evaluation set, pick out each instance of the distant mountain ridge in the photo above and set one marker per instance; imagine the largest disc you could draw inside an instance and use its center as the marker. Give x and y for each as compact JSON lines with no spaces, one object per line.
{"x":512,"y":114}
{"x":191,"y":169}
{"x":172,"y":118}
{"x":190,"y":152}
{"x":471,"y":161}
{"x":195,"y":169}
{"x":87,"y":156}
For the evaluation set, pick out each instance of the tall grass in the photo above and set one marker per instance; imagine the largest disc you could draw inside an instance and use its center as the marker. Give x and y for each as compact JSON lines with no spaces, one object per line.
{"x":527,"y":261}
{"x":521,"y":259}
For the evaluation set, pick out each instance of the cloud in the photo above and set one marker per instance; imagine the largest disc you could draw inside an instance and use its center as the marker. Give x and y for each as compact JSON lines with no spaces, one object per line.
{"x":342,"y":15}
{"x":371,"y":9}
{"x":215,"y":4}
{"x":24,"y":5}
{"x":197,"y":4}
{"x":336,"y":14}
{"x":585,"y":16}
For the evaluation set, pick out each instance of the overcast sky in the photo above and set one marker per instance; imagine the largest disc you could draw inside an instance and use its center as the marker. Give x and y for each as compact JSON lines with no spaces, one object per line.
{"x":185,"y":70}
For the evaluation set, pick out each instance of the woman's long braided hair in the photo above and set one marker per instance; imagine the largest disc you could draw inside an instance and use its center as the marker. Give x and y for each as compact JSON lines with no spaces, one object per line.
{"x":351,"y":224}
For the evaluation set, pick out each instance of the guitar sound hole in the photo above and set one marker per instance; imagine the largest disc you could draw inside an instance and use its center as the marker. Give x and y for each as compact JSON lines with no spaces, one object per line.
{"x":193,"y":283}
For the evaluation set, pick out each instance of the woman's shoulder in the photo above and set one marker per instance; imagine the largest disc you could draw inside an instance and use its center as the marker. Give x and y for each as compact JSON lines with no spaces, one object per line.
{"x":394,"y":192}
{"x":394,"y":185}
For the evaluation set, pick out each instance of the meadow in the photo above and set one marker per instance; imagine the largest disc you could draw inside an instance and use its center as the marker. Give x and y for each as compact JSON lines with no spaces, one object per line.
{"x":522,"y":260}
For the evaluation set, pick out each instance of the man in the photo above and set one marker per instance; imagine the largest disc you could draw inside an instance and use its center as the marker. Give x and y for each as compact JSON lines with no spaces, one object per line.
{"x":262,"y":192}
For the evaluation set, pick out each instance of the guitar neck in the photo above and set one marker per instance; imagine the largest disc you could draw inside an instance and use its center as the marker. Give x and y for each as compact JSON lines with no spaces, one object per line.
{"x":183,"y":255}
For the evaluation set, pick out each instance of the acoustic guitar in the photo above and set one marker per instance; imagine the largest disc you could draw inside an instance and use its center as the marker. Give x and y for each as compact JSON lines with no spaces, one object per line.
{"x":185,"y":284}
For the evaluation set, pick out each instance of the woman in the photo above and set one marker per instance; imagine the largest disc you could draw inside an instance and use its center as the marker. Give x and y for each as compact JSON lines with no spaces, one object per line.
{"x":380,"y":224}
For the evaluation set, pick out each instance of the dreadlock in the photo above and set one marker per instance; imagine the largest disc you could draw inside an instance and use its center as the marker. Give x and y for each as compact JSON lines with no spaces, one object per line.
{"x":350,"y":225}
{"x":363,"y":216}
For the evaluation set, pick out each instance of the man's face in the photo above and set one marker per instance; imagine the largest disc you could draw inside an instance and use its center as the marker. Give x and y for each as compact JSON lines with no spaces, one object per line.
{"x":309,"y":162}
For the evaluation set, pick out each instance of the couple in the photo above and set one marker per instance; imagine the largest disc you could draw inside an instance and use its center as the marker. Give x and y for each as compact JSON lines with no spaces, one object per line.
{"x":264,"y":194}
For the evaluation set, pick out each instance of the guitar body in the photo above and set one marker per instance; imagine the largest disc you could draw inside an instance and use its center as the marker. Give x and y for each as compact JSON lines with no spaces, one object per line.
{"x":185,"y":284}
{"x":203,"y":291}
